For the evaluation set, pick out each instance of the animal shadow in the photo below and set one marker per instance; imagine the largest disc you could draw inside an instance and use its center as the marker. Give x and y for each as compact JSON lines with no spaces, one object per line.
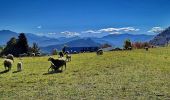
{"x":16,"y":71}
{"x":53,"y":72}
{"x":3,"y":72}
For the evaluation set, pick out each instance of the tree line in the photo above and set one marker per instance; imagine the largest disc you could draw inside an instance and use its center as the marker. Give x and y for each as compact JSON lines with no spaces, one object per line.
{"x":136,"y":45}
{"x":17,"y":46}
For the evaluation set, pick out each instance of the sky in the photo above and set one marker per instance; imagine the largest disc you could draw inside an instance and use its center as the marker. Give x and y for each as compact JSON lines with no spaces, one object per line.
{"x":56,"y":18}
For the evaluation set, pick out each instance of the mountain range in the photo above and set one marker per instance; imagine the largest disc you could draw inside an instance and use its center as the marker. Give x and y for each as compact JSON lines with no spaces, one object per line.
{"x":5,"y":36}
{"x":47,"y":44}
{"x":162,"y":38}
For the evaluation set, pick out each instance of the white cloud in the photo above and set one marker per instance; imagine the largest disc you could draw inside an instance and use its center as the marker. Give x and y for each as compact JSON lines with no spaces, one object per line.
{"x":123,"y":29}
{"x":91,"y":31}
{"x":156,"y":30}
{"x":70,"y":34}
{"x":52,"y":33}
{"x":115,"y":33}
{"x":113,"y":30}
{"x":108,"y":30}
{"x":39,"y":27}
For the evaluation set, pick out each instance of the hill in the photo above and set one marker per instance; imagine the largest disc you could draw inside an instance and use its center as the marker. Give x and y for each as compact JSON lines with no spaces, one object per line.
{"x":41,"y":40}
{"x":129,"y":75}
{"x":5,"y":35}
{"x":117,"y":40}
{"x":75,"y":43}
{"x":162,"y":38}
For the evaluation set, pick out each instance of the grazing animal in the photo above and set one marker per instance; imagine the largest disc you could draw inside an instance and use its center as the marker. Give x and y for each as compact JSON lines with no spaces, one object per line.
{"x":56,"y":64}
{"x":19,"y":66}
{"x":52,"y":67}
{"x":8,"y":64}
{"x":99,"y":52}
{"x":68,"y":57}
{"x":61,"y":54}
{"x":38,"y":54}
{"x":10,"y":56}
{"x":146,"y":48}
{"x":33,"y":54}
{"x":129,"y":48}
{"x":75,"y":52}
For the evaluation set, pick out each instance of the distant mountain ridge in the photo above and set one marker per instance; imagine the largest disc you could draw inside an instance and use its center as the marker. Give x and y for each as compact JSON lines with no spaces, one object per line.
{"x":116,"y":40}
{"x":75,"y":43}
{"x":162,"y":38}
{"x":5,"y":36}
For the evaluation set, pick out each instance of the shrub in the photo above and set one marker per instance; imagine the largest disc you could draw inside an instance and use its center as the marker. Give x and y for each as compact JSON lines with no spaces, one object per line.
{"x":140,"y":45}
{"x":127,"y":44}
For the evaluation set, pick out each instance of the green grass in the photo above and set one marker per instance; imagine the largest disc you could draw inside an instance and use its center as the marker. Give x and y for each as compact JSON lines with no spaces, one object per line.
{"x":136,"y":74}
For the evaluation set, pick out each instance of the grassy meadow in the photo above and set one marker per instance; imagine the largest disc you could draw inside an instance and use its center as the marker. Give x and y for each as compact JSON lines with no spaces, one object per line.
{"x":116,"y":75}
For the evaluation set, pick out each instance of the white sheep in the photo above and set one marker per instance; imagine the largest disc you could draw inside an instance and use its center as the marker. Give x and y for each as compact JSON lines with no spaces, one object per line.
{"x":10,"y":56}
{"x":33,"y":54}
{"x":68,"y":57}
{"x":19,"y":66}
{"x":8,"y":64}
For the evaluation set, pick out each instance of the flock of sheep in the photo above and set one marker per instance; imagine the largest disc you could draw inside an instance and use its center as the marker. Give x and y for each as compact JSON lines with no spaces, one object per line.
{"x":56,"y":64}
{"x":8,"y":62}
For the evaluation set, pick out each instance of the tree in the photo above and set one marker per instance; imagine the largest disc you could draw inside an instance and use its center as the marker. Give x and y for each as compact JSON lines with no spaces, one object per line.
{"x":19,"y":46}
{"x":140,"y":45}
{"x":54,"y":52}
{"x":127,"y":44}
{"x":146,"y":44}
{"x":10,"y":48}
{"x":35,"y":48}
{"x":64,"y":49}
{"x":1,"y":49}
{"x":22,"y":44}
{"x":137,"y":45}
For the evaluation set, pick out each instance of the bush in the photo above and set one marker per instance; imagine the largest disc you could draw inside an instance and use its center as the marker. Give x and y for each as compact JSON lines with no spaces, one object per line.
{"x":140,"y":45}
{"x":127,"y":44}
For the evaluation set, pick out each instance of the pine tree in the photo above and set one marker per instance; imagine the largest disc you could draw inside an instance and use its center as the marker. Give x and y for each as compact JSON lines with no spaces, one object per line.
{"x":127,"y":44}
{"x":64,"y":49}
{"x":35,"y":48}
{"x":22,"y":44}
{"x":10,"y":48}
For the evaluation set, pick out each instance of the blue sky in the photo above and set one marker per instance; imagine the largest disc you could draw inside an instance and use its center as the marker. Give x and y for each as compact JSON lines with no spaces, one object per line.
{"x":84,"y":17}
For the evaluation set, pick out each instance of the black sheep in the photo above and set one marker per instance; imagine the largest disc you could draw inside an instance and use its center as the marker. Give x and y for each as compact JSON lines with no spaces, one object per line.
{"x":146,"y":48}
{"x":61,"y":54}
{"x":99,"y":52}
{"x":56,"y":63}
